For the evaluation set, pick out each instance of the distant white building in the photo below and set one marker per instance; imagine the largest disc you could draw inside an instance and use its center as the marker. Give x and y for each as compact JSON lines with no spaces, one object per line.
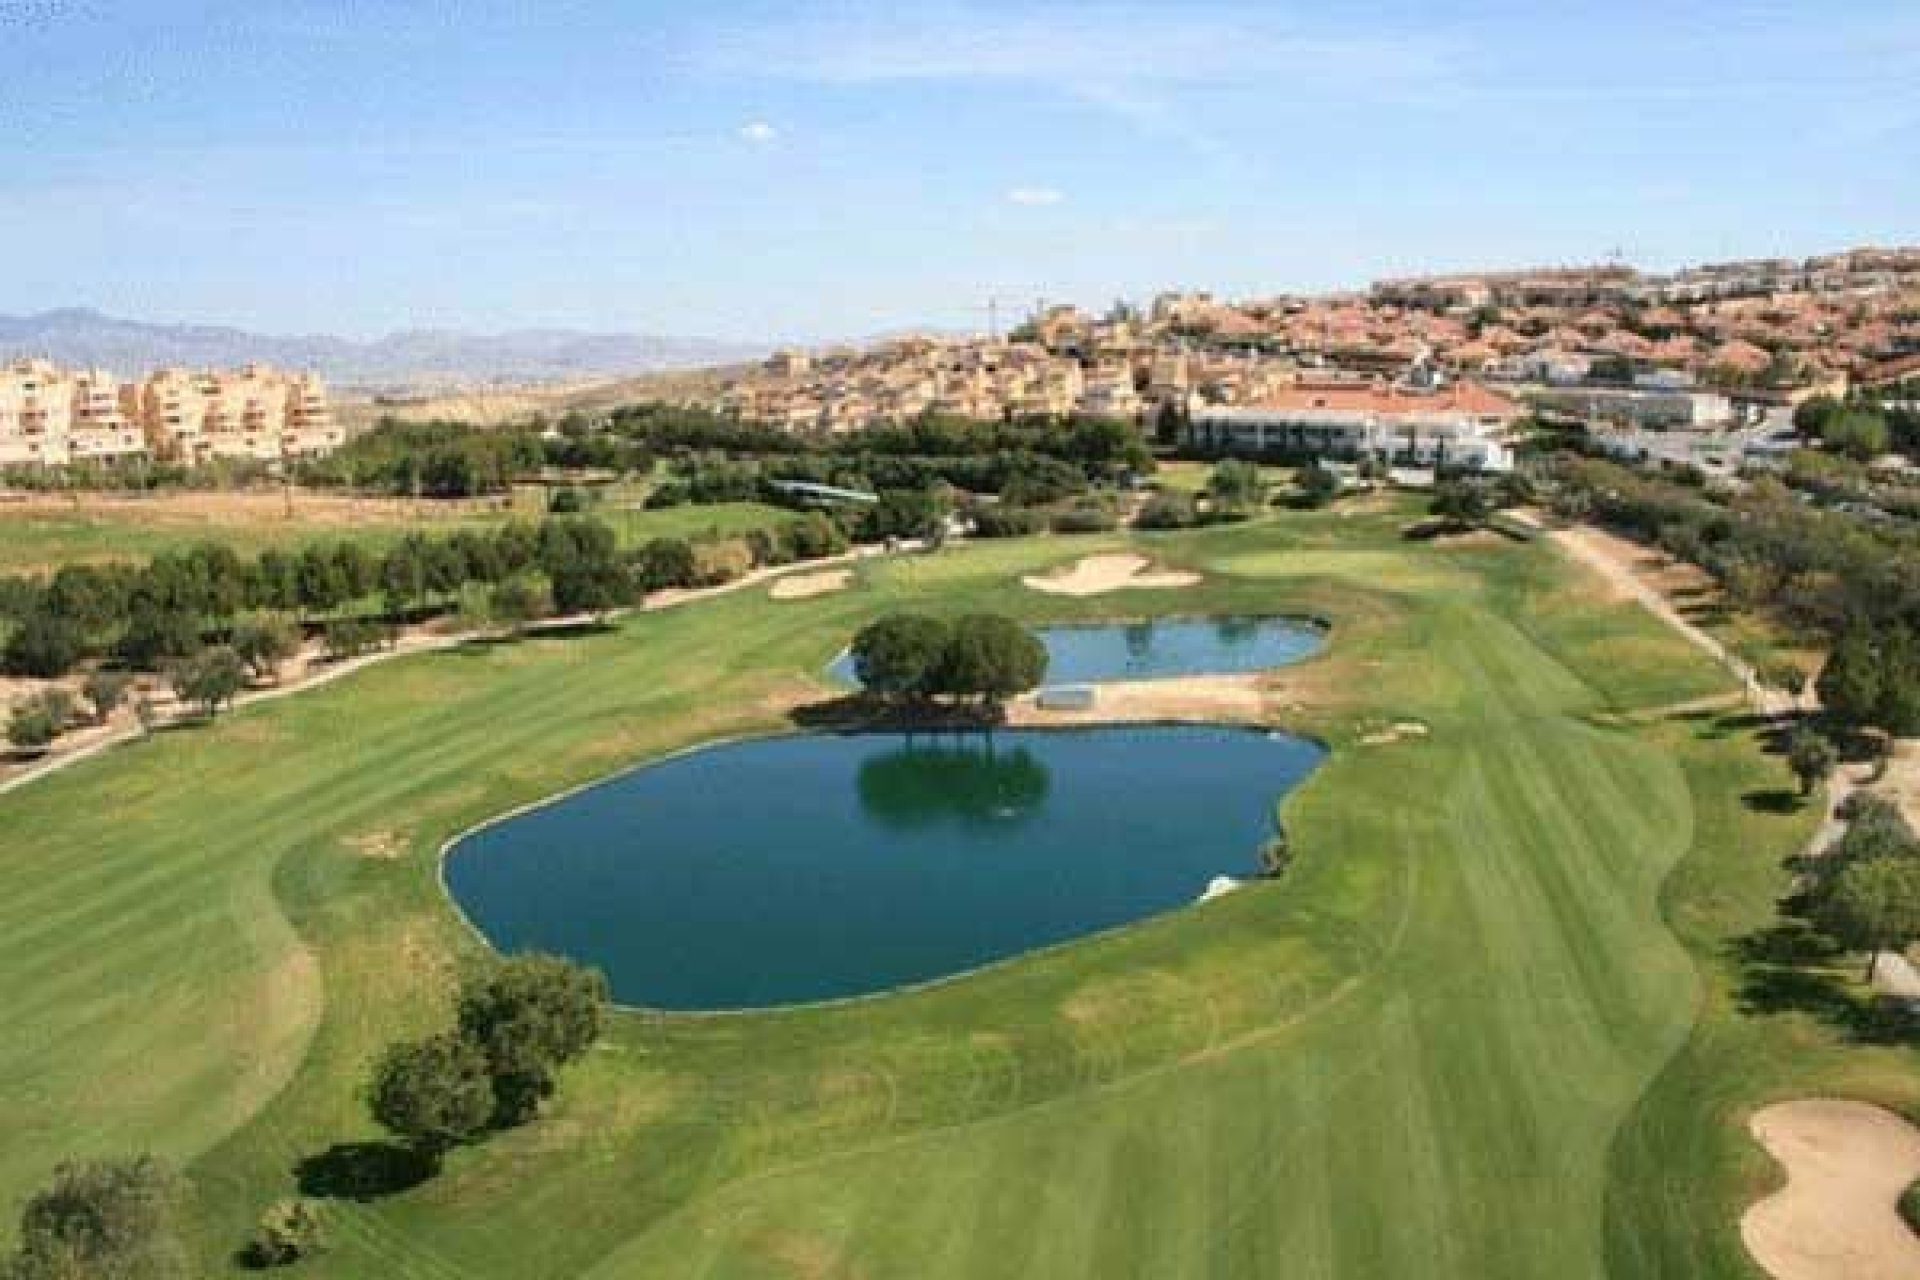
{"x":1649,"y":407}
{"x":1462,"y":425}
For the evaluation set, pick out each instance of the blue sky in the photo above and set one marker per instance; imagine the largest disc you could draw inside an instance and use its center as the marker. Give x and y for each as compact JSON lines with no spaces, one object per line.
{"x":763,"y":170}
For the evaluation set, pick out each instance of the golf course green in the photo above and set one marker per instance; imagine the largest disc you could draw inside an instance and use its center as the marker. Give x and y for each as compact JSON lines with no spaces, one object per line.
{"x":1490,"y":1023}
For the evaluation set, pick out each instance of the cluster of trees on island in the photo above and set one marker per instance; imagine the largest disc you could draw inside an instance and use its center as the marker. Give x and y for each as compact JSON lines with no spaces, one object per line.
{"x":909,"y":659}
{"x":516,"y":1025}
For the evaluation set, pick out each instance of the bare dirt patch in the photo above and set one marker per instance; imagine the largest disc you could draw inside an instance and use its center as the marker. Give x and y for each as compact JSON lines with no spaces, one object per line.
{"x":805,"y":586}
{"x":1241,"y":699}
{"x":1837,"y":1217}
{"x":384,"y":844}
{"x":1097,"y":575}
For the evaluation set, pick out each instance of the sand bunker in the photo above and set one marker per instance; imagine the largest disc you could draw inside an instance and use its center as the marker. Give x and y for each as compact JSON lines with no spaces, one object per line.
{"x":803,"y":586}
{"x":1097,"y":575}
{"x":1837,"y":1217}
{"x":1399,"y":731}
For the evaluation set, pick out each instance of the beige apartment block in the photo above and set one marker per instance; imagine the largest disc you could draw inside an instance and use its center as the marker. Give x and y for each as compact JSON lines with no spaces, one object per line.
{"x":254,"y":413}
{"x":51,"y":416}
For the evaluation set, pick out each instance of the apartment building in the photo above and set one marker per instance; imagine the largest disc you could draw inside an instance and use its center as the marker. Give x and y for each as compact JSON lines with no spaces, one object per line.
{"x":51,"y":416}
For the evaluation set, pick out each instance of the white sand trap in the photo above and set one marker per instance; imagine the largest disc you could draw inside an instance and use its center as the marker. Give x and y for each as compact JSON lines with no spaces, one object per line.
{"x":1399,"y":731}
{"x":1097,"y":575}
{"x":1836,"y":1219}
{"x":802,"y":586}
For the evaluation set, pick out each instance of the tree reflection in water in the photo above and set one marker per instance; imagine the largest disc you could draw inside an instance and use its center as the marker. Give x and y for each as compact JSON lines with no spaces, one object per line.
{"x":968,"y":782}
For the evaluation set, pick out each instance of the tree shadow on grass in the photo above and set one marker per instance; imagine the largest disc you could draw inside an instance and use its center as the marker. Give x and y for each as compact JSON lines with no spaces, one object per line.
{"x":363,"y":1171}
{"x":1775,"y":800}
{"x":1791,"y":967}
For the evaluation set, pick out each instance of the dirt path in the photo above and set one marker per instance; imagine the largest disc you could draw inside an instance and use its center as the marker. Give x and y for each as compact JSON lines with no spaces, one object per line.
{"x":1617,"y":560}
{"x":1836,"y":1219}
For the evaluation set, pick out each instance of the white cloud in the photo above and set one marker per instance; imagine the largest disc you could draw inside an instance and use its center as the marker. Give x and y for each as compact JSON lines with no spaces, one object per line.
{"x":1036,"y":197}
{"x":758,"y":132}
{"x":1131,"y":61}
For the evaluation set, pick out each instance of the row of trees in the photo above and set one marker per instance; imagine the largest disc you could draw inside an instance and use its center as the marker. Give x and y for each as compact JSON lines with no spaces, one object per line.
{"x":169,"y":609}
{"x":911,"y":658}
{"x":1819,"y":570}
{"x":1864,"y":892}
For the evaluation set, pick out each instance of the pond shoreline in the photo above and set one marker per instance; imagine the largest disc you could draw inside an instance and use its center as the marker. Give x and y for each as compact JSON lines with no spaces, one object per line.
{"x":1246,"y":880}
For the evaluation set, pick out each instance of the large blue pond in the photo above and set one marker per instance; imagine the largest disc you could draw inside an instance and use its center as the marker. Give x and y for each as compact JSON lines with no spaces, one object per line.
{"x":807,"y":868}
{"x":1079,"y":653}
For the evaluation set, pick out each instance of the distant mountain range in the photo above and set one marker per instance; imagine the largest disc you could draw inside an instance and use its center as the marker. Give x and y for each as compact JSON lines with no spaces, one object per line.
{"x":421,"y":358}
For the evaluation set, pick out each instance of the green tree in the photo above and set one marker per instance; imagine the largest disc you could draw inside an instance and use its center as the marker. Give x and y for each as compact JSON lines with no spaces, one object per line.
{"x":44,"y":645}
{"x":435,"y":1093}
{"x":1811,"y":757}
{"x":105,"y":1220}
{"x":1873,"y":905}
{"x":1811,"y":416}
{"x":104,"y":691}
{"x":264,"y":643}
{"x":1319,"y":484}
{"x":898,"y":656}
{"x":1849,"y":682}
{"x":1237,"y":485}
{"x":1861,"y":434}
{"x":1463,"y":503}
{"x":666,"y":562}
{"x":519,"y":600}
{"x":209,"y":680}
{"x":156,"y":632}
{"x":989,"y":657}
{"x":594,"y":585}
{"x":529,"y":1016}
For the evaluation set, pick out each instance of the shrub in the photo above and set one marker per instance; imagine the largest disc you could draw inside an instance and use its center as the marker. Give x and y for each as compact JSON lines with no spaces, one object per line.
{"x":288,"y":1231}
{"x":1085,"y":518}
{"x":351,"y":638}
{"x":34,"y":723}
{"x":719,"y":562}
{"x":1002,"y":521}
{"x":567,"y":502}
{"x":1168,"y":511}
{"x":518,"y":601}
{"x":104,"y":691}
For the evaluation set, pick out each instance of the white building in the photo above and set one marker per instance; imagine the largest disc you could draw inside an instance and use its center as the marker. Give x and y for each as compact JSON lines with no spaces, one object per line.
{"x":1649,"y":407}
{"x":1462,"y":425}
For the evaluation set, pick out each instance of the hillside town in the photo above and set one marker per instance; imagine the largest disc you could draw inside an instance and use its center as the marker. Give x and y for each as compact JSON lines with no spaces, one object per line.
{"x":1452,"y":358}
{"x":51,"y":416}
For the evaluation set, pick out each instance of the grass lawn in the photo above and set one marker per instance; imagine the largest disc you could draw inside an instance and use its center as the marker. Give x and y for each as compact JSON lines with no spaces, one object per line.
{"x":1493,"y":1022}
{"x":39,"y":538}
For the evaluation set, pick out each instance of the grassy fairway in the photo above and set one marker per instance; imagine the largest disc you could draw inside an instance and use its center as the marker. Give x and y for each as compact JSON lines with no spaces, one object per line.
{"x":1459,"y":1039}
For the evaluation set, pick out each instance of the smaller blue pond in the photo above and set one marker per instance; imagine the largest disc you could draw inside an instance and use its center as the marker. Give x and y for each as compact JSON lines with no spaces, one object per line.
{"x":1084,"y":653}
